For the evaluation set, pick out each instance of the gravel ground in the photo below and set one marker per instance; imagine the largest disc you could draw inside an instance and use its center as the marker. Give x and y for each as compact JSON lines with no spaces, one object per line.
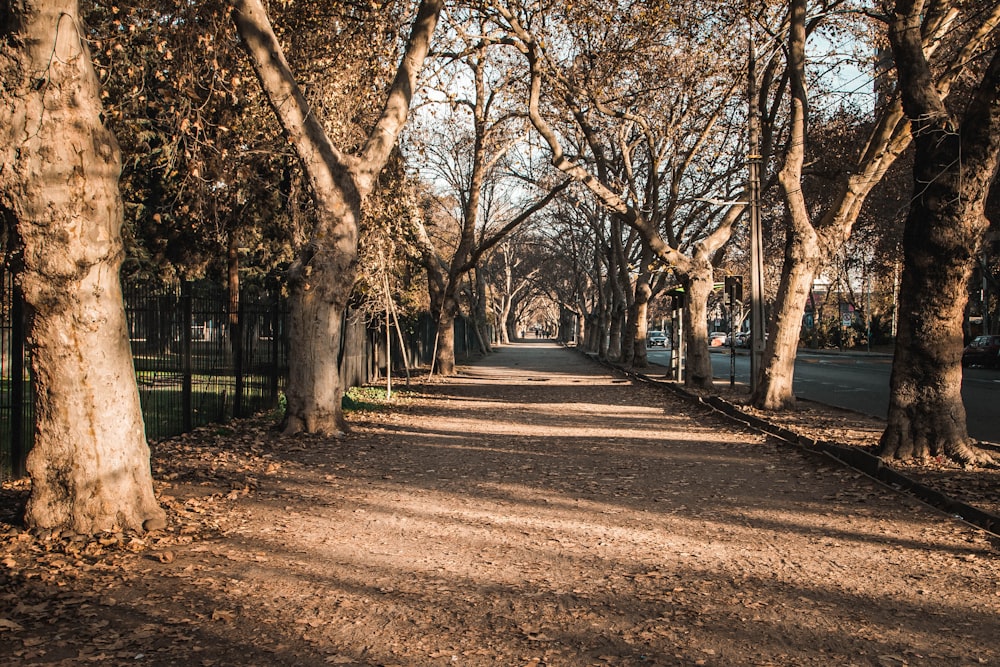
{"x":534,"y":510}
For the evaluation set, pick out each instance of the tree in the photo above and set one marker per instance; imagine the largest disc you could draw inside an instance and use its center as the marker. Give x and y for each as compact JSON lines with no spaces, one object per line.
{"x":646,"y":98}
{"x":59,"y":195}
{"x":468,"y":139}
{"x":815,"y":235}
{"x":954,"y":167}
{"x":206,"y":174}
{"x":321,"y":279}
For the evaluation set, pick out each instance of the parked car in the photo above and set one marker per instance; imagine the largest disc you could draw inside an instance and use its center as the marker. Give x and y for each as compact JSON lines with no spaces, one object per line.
{"x":982,"y":351}
{"x":656,"y":339}
{"x":718,"y":339}
{"x":742,"y":339}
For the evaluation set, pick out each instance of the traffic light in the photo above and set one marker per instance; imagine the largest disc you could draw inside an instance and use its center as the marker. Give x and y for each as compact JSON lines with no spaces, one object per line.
{"x":734,"y":289}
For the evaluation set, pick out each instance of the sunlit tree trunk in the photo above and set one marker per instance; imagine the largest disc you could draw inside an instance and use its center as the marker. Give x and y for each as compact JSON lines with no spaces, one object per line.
{"x":482,"y":324}
{"x":444,"y":357}
{"x":59,"y":194}
{"x":954,"y":167}
{"x":802,"y":261}
{"x":698,"y":362}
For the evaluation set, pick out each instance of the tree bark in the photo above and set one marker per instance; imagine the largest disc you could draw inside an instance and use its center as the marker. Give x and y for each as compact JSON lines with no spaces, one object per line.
{"x":698,"y":364}
{"x":321,"y":280}
{"x":803,"y":259}
{"x":89,"y":467}
{"x":482,"y":324}
{"x":639,"y":312}
{"x":954,"y":166}
{"x":444,"y":358}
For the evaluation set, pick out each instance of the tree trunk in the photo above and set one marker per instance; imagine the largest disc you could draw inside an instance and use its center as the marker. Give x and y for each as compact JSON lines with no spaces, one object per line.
{"x":614,"y":351}
{"x":802,"y":261}
{"x":774,"y":388}
{"x":508,"y":326}
{"x":640,"y":310}
{"x":444,"y":362}
{"x":89,"y":467}
{"x":482,"y":325}
{"x":697,"y":287}
{"x":954,"y":166}
{"x":322,"y":278}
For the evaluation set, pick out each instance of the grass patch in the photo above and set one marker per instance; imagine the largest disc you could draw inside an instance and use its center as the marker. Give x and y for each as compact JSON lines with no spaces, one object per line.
{"x":369,"y":399}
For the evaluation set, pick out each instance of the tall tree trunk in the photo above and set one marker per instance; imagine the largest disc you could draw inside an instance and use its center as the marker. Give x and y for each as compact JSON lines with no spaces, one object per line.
{"x":639,"y":329}
{"x":322,"y":277}
{"x":803,"y":259}
{"x":698,"y":362}
{"x":774,"y":389}
{"x":508,"y":327}
{"x":954,"y":166}
{"x":482,"y":325}
{"x":444,"y":362}
{"x":616,"y":326}
{"x":89,"y":467}
{"x":638,"y":312}
{"x":590,"y":333}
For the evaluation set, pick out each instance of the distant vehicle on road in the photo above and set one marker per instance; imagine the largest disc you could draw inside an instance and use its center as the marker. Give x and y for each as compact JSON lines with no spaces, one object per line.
{"x":718,"y":339}
{"x":982,"y":351}
{"x":656,"y":339}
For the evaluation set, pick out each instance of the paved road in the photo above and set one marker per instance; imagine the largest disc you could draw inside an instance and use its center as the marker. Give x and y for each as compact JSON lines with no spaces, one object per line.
{"x":861,"y":383}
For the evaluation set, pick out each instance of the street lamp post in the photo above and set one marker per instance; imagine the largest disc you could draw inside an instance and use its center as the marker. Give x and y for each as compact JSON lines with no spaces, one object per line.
{"x":756,"y":275}
{"x":756,"y":244}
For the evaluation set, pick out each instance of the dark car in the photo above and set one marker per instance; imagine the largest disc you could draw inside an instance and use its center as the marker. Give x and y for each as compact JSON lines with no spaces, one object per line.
{"x":982,"y":351}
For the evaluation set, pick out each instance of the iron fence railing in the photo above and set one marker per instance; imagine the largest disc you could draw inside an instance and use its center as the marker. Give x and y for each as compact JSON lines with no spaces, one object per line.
{"x":196,"y":362}
{"x":15,"y":381}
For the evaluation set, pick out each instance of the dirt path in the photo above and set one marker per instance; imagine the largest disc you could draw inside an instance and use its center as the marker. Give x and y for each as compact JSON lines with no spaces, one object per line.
{"x":532,"y":511}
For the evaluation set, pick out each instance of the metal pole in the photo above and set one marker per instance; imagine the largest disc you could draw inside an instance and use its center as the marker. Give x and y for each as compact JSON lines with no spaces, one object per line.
{"x":19,"y":399}
{"x":756,"y":244}
{"x":732,"y":337}
{"x":187,"y":317}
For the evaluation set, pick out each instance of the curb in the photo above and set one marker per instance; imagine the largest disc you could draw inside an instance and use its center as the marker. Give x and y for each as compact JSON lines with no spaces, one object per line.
{"x":853,"y":457}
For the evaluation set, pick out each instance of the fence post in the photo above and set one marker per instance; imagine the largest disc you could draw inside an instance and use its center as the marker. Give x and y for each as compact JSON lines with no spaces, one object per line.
{"x":186,"y":365}
{"x":18,"y":451}
{"x":276,"y":321}
{"x":236,"y":338}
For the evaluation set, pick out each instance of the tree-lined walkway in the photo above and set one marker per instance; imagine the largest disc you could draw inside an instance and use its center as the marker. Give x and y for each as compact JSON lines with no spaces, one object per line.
{"x":532,"y":510}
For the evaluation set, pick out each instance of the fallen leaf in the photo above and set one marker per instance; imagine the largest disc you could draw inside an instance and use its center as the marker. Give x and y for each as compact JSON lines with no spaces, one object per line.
{"x":7,"y":624}
{"x":223,"y":615}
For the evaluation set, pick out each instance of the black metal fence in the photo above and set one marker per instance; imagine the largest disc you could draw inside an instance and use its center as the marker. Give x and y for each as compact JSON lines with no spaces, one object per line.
{"x":15,"y":381}
{"x":198,"y":363}
{"x":195,"y":362}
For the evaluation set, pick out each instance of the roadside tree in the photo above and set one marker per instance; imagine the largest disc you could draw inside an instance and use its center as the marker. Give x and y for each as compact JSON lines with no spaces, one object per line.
{"x":816,"y":233}
{"x":954,"y":167}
